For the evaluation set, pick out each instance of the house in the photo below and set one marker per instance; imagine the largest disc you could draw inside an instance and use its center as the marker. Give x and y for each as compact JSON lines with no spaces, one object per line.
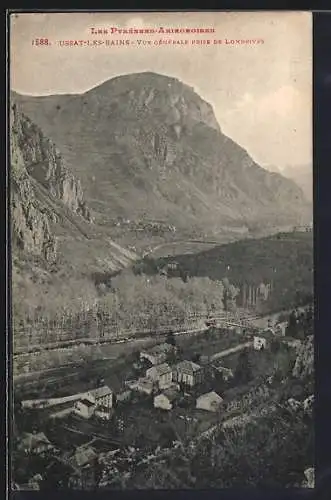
{"x":157,"y":354}
{"x":124,"y":396}
{"x":226,"y":373}
{"x":262,"y":340}
{"x":167,"y":399}
{"x":210,"y":401}
{"x":85,"y":406}
{"x":280,"y":328}
{"x":188,"y":373}
{"x":103,"y":397}
{"x":143,"y":385}
{"x":160,"y":374}
{"x":32,"y":484}
{"x":35,"y":444}
{"x":259,"y":343}
{"x":83,"y":461}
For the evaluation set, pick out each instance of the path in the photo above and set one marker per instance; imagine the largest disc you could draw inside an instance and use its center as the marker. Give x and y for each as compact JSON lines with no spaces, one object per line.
{"x":231,"y":350}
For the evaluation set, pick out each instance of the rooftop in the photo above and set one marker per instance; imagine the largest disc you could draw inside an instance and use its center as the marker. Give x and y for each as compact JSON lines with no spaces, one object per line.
{"x":268,"y":334}
{"x":31,"y":441}
{"x":88,"y":399}
{"x":171,"y":394}
{"x":161,"y":348}
{"x":188,"y":366}
{"x":161,"y":369}
{"x":100,"y":392}
{"x":83,"y":456}
{"x":220,"y":368}
{"x":211,"y":396}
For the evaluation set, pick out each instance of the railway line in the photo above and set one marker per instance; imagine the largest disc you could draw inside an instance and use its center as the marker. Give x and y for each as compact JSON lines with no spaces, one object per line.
{"x":219,"y":321}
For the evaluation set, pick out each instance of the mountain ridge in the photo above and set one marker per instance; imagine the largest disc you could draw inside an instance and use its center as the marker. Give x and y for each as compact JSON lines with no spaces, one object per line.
{"x":148,"y":145}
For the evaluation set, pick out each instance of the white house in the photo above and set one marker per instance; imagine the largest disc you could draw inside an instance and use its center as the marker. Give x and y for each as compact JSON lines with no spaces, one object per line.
{"x":259,"y":343}
{"x":166,"y":399}
{"x":210,"y":401}
{"x":103,"y":396}
{"x":280,"y":328}
{"x":188,"y":373}
{"x":98,"y":401}
{"x":143,"y":385}
{"x":161,"y":374}
{"x":85,"y":406}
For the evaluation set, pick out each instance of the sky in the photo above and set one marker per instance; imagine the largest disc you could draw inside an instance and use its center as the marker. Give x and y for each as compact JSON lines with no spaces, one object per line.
{"x":261,"y":93}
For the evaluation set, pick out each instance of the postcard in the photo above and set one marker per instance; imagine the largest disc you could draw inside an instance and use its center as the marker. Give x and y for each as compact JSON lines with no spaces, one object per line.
{"x":162,"y":250}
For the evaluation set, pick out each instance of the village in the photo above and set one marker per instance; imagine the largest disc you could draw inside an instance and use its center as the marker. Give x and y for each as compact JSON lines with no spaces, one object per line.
{"x":169,"y":393}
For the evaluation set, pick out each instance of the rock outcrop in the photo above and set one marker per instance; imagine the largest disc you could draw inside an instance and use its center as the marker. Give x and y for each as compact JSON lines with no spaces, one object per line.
{"x":36,"y":162}
{"x":43,"y":161}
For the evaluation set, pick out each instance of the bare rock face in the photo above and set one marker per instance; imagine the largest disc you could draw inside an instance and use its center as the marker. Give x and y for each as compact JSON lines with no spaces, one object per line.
{"x":30,"y":223}
{"x":35,"y":162}
{"x":44,"y":163}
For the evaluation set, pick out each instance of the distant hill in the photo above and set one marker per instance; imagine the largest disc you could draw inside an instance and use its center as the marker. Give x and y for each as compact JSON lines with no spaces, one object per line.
{"x":285,"y":260}
{"x":147,"y":145}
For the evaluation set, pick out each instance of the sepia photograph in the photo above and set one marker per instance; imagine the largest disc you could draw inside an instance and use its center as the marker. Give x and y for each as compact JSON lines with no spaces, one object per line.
{"x":161,"y":227}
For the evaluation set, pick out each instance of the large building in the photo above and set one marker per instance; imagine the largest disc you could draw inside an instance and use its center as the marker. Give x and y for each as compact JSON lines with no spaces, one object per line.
{"x":103,"y":397}
{"x":97,"y":401}
{"x":188,"y":373}
{"x":160,"y":374}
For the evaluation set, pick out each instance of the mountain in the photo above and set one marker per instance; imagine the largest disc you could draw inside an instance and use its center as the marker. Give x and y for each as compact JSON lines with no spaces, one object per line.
{"x":52,"y":226}
{"x":302,"y":175}
{"x":148,"y":146}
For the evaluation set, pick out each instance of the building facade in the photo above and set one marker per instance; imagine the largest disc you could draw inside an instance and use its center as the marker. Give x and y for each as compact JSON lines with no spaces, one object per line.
{"x":85,"y":406}
{"x":259,"y":343}
{"x":188,"y":373}
{"x":160,"y":374}
{"x":166,"y":400}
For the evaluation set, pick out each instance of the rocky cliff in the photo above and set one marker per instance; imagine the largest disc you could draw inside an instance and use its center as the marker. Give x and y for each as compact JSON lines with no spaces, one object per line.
{"x":148,"y":145}
{"x":37,"y":164}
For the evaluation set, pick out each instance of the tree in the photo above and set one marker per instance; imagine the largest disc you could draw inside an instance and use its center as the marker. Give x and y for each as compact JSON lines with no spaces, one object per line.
{"x":291,"y":329}
{"x":171,"y":339}
{"x":243,"y":371}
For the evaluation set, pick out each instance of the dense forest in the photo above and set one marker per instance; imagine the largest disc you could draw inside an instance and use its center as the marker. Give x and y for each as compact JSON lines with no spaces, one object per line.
{"x":284,"y":260}
{"x":78,"y":309}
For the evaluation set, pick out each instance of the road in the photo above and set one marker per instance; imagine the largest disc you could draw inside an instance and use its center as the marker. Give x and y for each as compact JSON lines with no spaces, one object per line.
{"x":231,"y":350}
